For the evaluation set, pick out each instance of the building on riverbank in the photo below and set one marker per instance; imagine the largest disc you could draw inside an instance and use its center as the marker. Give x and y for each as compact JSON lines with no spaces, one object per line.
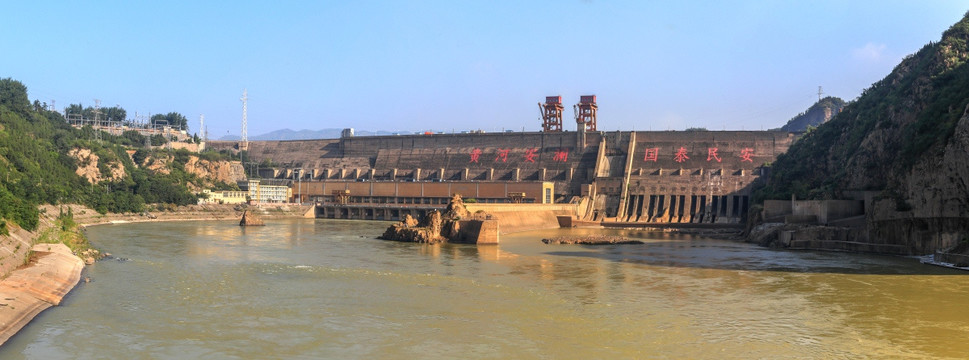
{"x":267,"y":190}
{"x":223,"y":197}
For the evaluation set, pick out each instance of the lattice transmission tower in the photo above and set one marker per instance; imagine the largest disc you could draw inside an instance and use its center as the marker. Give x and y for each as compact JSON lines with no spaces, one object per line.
{"x":202,"y":126}
{"x":244,"y":144}
{"x":97,"y":120}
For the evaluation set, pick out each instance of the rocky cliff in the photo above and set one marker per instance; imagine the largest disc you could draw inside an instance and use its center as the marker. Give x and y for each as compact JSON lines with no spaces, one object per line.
{"x":89,"y":166}
{"x":216,"y":171}
{"x":209,"y":172}
{"x":819,"y":113}
{"x":904,"y":143}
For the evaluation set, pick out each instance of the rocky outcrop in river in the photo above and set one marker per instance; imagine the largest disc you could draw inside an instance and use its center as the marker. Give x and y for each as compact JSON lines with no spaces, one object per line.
{"x":590,"y":240}
{"x":250,"y":219}
{"x":435,"y":227}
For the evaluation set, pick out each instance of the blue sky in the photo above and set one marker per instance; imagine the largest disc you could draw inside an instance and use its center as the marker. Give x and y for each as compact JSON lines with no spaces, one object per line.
{"x":461,"y":65}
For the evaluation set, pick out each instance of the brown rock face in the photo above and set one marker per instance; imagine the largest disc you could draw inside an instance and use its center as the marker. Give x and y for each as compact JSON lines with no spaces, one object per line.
{"x":434,"y":228}
{"x":208,"y":172}
{"x":250,"y":220}
{"x":88,"y":166}
{"x":409,"y":221}
{"x":221,"y":171}
{"x":456,"y":209}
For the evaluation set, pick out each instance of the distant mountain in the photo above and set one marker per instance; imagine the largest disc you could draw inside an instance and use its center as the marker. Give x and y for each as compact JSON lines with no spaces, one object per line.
{"x":305,"y":134}
{"x":817,"y":114}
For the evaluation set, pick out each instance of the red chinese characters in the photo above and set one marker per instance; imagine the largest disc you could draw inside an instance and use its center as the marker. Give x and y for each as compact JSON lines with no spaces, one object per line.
{"x":712,"y":154}
{"x":530,"y":155}
{"x":681,"y":155}
{"x":651,"y":155}
{"x":475,"y":154}
{"x":561,"y":155}
{"x":502,"y":155}
{"x":746,"y":155}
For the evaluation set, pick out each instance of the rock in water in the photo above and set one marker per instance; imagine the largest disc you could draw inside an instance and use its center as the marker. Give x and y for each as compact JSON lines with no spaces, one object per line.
{"x":250,"y":220}
{"x":591,"y":240}
{"x":435,"y":227}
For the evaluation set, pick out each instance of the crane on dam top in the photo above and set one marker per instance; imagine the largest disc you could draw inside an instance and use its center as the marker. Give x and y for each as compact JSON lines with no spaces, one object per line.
{"x":551,"y":114}
{"x":585,"y":113}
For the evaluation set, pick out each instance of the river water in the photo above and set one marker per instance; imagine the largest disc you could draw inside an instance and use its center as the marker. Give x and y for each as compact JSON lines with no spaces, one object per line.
{"x":304,"y":288}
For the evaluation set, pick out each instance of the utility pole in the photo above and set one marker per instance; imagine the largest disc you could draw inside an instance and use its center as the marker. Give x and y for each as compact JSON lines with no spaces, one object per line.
{"x":97,"y":119}
{"x":245,"y":137}
{"x":299,"y":186}
{"x":202,"y":131}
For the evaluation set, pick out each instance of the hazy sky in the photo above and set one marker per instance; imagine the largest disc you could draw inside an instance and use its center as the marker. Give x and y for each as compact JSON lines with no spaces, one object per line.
{"x":443,"y":65}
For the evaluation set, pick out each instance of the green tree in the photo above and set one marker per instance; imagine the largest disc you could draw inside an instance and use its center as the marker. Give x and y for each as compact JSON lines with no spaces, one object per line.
{"x":173,"y":119}
{"x":13,"y":95}
{"x":158,"y":140}
{"x":139,"y":156}
{"x":115,"y":114}
{"x":133,"y":138}
{"x":74,"y":109}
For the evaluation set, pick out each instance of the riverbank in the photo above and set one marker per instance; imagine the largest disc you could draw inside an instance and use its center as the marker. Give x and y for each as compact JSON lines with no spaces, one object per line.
{"x":52,"y":272}
{"x":87,"y":217}
{"x":37,"y":276}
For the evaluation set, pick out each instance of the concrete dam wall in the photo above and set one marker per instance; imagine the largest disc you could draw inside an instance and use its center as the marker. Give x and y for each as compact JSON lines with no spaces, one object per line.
{"x":643,"y":176}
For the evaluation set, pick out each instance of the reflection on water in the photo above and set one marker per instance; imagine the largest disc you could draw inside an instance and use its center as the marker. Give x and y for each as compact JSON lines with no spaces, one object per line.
{"x":327,"y":289}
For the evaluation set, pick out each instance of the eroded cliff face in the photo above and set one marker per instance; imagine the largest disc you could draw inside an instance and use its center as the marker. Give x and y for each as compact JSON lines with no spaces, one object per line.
{"x":935,"y":212}
{"x":210,"y":172}
{"x":219,"y":171}
{"x":817,"y":114}
{"x":936,"y":186}
{"x":88,"y":166}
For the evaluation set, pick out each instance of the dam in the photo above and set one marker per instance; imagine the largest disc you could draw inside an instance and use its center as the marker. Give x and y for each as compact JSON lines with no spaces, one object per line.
{"x":635,"y":176}
{"x":639,"y":177}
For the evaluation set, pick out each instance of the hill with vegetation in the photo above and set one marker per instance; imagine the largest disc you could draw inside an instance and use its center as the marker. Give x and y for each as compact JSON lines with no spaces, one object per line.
{"x":904,"y":142}
{"x":814,"y":116}
{"x":44,"y":160}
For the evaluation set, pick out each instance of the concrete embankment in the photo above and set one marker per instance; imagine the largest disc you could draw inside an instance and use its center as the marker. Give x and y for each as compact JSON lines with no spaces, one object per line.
{"x":51,"y":274}
{"x":524,"y":217}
